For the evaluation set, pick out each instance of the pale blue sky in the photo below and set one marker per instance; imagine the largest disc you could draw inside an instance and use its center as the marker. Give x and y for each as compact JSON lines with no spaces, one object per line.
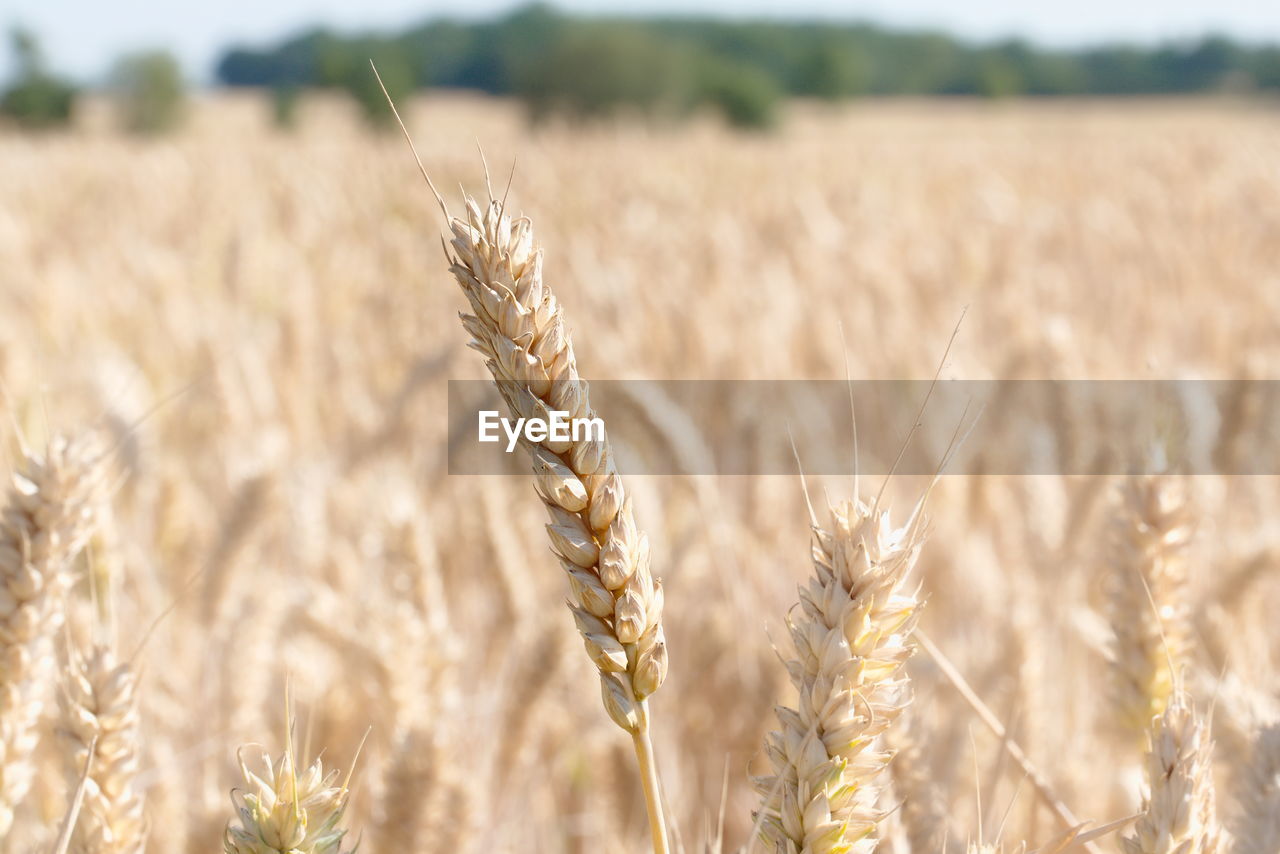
{"x":82,"y":36}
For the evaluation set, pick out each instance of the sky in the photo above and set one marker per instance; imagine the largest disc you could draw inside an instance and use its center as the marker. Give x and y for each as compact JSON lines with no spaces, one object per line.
{"x":81,"y":37}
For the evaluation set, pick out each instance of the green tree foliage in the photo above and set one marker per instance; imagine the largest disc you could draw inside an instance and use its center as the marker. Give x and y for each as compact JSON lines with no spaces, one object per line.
{"x":595,"y":70}
{"x":599,"y":66}
{"x":834,"y":69}
{"x":36,"y":99}
{"x":747,"y":97}
{"x":998,"y":75}
{"x":150,"y":92}
{"x":362,"y":84}
{"x":284,"y":106}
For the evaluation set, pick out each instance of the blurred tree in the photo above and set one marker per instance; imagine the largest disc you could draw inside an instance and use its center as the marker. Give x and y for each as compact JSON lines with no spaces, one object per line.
{"x":596,"y":66}
{"x":747,"y":97}
{"x":1265,"y":68}
{"x":596,"y":70}
{"x":998,"y":76}
{"x":361,"y":83}
{"x":284,"y":106}
{"x":835,"y":69}
{"x":150,"y":91}
{"x":36,"y":99}
{"x":337,"y":61}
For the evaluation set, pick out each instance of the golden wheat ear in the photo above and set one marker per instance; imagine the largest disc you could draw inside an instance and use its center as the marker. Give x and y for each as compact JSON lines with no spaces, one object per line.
{"x":519,"y":327}
{"x":851,"y":637}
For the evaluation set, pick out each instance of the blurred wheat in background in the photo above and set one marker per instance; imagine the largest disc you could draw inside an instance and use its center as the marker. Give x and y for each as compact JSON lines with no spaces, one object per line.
{"x":252,"y":329}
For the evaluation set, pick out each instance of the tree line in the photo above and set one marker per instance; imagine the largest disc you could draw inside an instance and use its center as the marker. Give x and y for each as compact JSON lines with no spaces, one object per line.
{"x":600,"y":65}
{"x":590,"y":67}
{"x":146,"y":86}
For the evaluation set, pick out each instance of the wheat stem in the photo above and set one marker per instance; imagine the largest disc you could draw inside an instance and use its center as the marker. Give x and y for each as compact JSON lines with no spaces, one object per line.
{"x":1038,"y":781}
{"x":649,"y":779}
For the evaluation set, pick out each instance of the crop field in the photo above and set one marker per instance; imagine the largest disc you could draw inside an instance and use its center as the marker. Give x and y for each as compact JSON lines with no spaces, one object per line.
{"x":224,"y":357}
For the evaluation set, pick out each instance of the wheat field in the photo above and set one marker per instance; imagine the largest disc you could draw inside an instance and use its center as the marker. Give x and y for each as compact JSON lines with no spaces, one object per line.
{"x":246,"y":334}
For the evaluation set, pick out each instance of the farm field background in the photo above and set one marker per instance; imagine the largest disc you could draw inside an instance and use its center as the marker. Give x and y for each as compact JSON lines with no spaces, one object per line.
{"x":263,"y":323}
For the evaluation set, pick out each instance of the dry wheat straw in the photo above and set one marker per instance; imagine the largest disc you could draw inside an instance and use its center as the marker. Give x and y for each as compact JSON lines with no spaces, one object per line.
{"x":994,"y":848}
{"x":518,"y":326}
{"x":1179,"y":816}
{"x":100,"y":708}
{"x":283,"y":812}
{"x":46,"y":521}
{"x":923,"y":811}
{"x":412,"y":781}
{"x":1257,"y":822}
{"x":1148,"y":612}
{"x":851,"y":639}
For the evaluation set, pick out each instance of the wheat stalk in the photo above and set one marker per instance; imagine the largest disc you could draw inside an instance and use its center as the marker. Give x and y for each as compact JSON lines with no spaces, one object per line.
{"x":100,"y":713}
{"x":851,"y":639}
{"x":923,"y":810}
{"x":44,"y":525}
{"x":282,"y":812}
{"x":1179,"y":816}
{"x":1257,"y":823}
{"x":411,"y":781}
{"x":975,"y":847}
{"x":519,"y":327}
{"x":1148,"y":612}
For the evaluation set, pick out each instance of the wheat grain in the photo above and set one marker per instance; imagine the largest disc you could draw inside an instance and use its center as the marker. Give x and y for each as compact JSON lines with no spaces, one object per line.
{"x":100,"y":708}
{"x":44,"y":525}
{"x":851,"y":639}
{"x":1179,"y":815}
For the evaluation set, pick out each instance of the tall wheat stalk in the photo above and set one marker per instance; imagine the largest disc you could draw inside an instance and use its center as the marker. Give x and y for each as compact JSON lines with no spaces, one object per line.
{"x":518,"y":326}
{"x":1257,"y":822}
{"x":851,"y":638}
{"x":46,"y":521}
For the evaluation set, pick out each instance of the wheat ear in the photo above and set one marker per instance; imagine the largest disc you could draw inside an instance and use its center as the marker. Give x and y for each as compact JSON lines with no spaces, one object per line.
{"x":851,"y":638}
{"x":100,"y":709}
{"x":519,"y":327}
{"x":1148,"y":611}
{"x":1179,"y":816}
{"x":1257,"y":822}
{"x":46,"y":522}
{"x":283,"y":812}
